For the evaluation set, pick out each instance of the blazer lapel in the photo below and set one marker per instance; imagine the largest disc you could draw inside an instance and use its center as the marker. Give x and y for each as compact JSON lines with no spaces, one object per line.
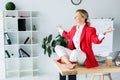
{"x":83,"y":33}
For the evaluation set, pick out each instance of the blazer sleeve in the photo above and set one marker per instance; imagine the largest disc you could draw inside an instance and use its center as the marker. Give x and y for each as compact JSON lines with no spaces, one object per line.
{"x":69,"y":34}
{"x":94,"y":37}
{"x":66,"y":35}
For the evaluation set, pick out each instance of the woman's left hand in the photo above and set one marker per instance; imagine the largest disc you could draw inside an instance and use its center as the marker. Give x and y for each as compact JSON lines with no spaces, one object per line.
{"x":108,"y":30}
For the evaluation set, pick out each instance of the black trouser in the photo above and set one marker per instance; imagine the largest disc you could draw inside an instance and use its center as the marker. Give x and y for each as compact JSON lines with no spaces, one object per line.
{"x":70,"y":77}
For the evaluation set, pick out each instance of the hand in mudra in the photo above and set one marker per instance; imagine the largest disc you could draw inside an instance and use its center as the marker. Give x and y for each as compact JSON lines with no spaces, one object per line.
{"x":59,"y":26}
{"x":108,"y":30}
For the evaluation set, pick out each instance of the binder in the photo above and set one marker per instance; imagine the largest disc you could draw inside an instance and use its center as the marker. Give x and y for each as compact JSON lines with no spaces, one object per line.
{"x":7,"y":38}
{"x":22,"y":52}
{"x":7,"y":53}
{"x":27,"y":41}
{"x":21,"y":24}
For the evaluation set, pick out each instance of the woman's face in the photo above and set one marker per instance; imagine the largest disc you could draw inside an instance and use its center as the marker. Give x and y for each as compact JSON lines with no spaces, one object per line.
{"x":78,"y":18}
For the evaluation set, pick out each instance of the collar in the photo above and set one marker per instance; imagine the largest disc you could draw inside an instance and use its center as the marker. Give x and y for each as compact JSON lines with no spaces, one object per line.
{"x":80,"y":27}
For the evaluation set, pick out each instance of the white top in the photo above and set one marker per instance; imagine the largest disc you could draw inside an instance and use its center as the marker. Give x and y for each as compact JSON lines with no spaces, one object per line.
{"x":76,"y":38}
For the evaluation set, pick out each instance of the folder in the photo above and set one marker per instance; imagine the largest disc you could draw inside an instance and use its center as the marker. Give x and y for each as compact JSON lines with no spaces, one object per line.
{"x":7,"y":53}
{"x":27,"y":41}
{"x":22,"y":53}
{"x":7,"y":38}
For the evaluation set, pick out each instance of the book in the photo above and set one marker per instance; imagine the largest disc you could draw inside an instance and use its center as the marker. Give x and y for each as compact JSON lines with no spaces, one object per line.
{"x":27,"y":41}
{"x":21,"y":24}
{"x":7,"y":38}
{"x":20,"y":53}
{"x":23,"y":53}
{"x":7,"y":53}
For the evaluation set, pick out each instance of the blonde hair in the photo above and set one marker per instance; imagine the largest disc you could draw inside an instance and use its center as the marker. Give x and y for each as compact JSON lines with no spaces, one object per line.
{"x":84,"y":14}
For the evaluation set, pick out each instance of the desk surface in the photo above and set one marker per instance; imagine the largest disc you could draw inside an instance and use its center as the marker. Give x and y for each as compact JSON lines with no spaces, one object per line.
{"x":102,"y":68}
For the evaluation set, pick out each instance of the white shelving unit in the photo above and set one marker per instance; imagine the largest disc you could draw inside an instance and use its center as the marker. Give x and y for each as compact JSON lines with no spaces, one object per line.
{"x":2,"y":56}
{"x":19,"y":25}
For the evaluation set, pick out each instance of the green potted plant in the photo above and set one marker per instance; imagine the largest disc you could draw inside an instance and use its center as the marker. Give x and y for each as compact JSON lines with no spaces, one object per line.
{"x":49,"y":43}
{"x":10,"y":6}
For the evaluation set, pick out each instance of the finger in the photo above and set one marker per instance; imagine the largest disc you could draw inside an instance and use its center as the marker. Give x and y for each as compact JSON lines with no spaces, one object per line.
{"x":58,"y":26}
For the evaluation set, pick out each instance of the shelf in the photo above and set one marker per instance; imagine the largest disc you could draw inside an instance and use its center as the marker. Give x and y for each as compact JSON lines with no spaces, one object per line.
{"x":26,"y":74}
{"x":13,"y":38}
{"x":23,"y":36}
{"x":12,"y":51}
{"x":21,"y":43}
{"x":10,"y":13}
{"x":36,"y":73}
{"x":9,"y":24}
{"x":24,"y":13}
{"x":12,"y":75}
{"x":26,"y":64}
{"x":12,"y":71}
{"x":35,"y":50}
{"x":24,"y":44}
{"x":12,"y":64}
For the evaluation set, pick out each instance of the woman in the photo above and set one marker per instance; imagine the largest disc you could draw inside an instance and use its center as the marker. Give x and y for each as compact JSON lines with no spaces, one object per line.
{"x":80,"y":39}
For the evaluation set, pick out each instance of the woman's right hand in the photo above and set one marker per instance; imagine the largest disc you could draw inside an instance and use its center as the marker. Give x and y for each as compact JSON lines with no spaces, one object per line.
{"x":59,"y":26}
{"x":60,"y":29}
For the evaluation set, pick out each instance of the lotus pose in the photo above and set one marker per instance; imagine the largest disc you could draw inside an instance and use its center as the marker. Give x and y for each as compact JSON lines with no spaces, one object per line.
{"x":80,"y":39}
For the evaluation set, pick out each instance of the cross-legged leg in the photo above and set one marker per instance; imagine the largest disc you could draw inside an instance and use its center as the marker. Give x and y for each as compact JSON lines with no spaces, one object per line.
{"x":64,"y":54}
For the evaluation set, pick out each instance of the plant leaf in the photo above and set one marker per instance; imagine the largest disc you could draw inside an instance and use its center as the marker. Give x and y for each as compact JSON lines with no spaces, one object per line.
{"x":43,"y":46}
{"x":45,"y":51}
{"x":44,"y":39}
{"x":48,"y":45}
{"x":58,"y":36}
{"x":50,"y":54}
{"x":49,"y":51}
{"x":64,"y":42}
{"x":53,"y":49}
{"x":53,"y":44}
{"x":49,"y":38}
{"x":58,"y":42}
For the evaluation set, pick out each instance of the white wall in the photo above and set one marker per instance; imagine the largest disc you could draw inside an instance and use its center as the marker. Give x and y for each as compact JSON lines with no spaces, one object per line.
{"x":53,"y":12}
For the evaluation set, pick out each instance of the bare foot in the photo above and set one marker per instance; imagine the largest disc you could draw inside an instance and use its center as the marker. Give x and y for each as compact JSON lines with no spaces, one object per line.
{"x":70,"y":66}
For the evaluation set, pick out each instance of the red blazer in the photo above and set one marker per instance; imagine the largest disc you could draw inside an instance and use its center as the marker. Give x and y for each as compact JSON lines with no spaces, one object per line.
{"x":88,"y":36}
